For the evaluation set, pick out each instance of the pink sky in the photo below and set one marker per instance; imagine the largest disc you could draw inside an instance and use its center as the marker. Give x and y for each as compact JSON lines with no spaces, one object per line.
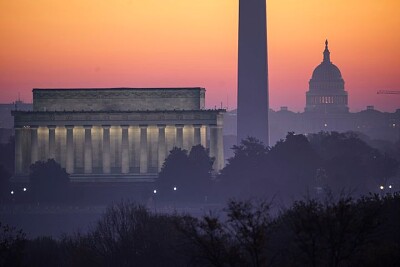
{"x":179,"y":43}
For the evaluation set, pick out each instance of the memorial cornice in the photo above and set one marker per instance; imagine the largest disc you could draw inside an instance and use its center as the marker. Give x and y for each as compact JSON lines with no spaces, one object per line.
{"x":81,"y":118}
{"x":106,"y":93}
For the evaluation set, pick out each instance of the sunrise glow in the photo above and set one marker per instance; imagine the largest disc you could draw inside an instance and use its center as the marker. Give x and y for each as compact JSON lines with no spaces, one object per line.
{"x":172,"y":43}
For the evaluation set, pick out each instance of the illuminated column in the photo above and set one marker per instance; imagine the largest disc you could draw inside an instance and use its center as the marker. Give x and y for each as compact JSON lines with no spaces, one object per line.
{"x":52,"y":141}
{"x":216,"y":146}
{"x":143,"y":149}
{"x":88,"y":162}
{"x":197,"y":134}
{"x":179,"y":135}
{"x":106,"y":149}
{"x":34,"y":144}
{"x":125,"y":150}
{"x":70,"y":149}
{"x":161,"y":146}
{"x":18,"y":150}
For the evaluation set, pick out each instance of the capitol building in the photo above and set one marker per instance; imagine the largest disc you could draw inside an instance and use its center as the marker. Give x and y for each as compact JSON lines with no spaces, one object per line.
{"x":326,"y":109}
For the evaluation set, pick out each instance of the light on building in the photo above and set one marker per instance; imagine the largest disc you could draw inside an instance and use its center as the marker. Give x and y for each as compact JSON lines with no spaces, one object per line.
{"x":394,"y":125}
{"x":175,"y":188}
{"x":382,"y":187}
{"x":24,"y":189}
{"x":326,"y":125}
{"x":12,"y":192}
{"x":155,"y":191}
{"x":390,"y":186}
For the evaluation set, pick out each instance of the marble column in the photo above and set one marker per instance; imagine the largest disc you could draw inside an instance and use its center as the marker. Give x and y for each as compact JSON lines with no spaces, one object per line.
{"x":52,"y":141}
{"x":216,"y":146}
{"x":70,"y":149}
{"x":125,"y":149}
{"x":18,"y":150}
{"x":179,"y":135}
{"x":87,"y":154}
{"x":197,"y":134}
{"x":106,"y":149}
{"x":162,"y":149}
{"x":143,"y":149}
{"x":34,"y":144}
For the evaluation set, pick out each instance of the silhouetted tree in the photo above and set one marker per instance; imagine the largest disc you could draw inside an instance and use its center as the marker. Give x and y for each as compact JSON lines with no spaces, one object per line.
{"x":350,"y":163}
{"x":244,"y":173}
{"x":43,"y":251}
{"x":292,"y":166}
{"x":189,"y":174}
{"x":7,"y":155}
{"x":12,"y":243}
{"x":200,"y":165}
{"x":332,"y":233}
{"x":48,"y":181}
{"x":241,"y":240}
{"x":127,"y":235}
{"x":4,"y":183}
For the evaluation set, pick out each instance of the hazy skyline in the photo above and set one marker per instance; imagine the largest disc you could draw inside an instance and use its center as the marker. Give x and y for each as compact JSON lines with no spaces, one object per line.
{"x":171,"y":43}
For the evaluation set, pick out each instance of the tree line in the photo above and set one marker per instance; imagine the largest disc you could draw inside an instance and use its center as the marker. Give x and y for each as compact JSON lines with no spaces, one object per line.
{"x":334,"y":232}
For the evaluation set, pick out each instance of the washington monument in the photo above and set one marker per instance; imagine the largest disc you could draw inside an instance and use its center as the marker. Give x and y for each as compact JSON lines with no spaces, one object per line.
{"x":252,"y":71}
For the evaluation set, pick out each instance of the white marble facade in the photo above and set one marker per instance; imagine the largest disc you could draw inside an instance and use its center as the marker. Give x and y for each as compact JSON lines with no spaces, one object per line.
{"x":114,"y":144}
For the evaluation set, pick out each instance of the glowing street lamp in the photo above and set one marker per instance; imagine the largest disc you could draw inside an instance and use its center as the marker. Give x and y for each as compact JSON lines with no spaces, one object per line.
{"x":390,"y":186}
{"x":382,"y":187}
{"x":24,"y":189}
{"x":175,"y":188}
{"x":12,"y":192}
{"x":155,"y":191}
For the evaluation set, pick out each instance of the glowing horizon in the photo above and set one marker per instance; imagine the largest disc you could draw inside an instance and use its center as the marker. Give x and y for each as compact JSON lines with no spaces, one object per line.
{"x":177,"y":43}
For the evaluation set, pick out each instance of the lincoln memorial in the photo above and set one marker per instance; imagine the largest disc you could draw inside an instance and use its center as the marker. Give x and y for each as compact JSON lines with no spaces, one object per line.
{"x":114,"y":134}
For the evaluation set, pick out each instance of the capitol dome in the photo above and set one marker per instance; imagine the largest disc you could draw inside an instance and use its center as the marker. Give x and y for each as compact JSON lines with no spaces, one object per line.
{"x":326,"y":87}
{"x":326,"y":71}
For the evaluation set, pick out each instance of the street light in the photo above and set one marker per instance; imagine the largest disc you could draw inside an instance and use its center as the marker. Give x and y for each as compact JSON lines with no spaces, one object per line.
{"x":390,"y":186}
{"x":12,"y":192}
{"x":24,"y":189}
{"x":155,"y":191}
{"x":382,"y":187}
{"x":175,"y":188}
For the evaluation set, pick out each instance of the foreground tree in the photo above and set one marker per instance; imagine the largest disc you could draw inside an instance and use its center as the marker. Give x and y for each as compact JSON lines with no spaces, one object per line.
{"x":127,"y":235}
{"x":241,"y":240}
{"x":332,"y":233}
{"x":12,"y":243}
{"x":48,"y":181}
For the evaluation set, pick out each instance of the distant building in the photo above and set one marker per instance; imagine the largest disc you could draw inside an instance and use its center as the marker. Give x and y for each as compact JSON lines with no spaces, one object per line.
{"x":116,"y":134}
{"x":6,"y":119}
{"x":326,"y":110}
{"x":326,"y":92}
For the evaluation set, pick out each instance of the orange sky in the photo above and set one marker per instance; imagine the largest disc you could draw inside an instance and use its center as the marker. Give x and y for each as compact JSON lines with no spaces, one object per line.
{"x":165,"y":43}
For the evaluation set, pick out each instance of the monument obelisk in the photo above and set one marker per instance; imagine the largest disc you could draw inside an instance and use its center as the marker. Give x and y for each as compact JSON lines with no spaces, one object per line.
{"x":252,"y":113}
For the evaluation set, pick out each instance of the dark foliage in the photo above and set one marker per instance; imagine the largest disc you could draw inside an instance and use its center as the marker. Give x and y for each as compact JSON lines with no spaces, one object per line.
{"x":245,"y":173}
{"x":48,"y":181}
{"x":300,"y":165}
{"x":7,"y":155}
{"x":127,"y":235}
{"x":12,"y":242}
{"x":334,"y":232}
{"x":4,"y":184}
{"x":352,"y":164}
{"x":190,"y":175}
{"x":241,"y":240}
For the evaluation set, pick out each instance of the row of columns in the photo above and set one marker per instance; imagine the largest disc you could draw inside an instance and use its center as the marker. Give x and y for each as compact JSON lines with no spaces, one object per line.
{"x":216,"y":146}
